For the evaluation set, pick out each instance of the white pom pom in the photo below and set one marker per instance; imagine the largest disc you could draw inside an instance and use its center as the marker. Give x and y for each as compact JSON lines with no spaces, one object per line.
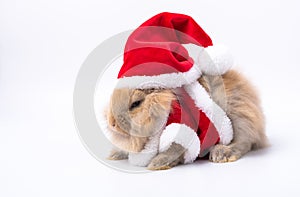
{"x":215,"y":60}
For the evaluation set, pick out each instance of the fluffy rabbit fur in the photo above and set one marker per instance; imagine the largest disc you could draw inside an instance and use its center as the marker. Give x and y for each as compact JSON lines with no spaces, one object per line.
{"x":134,"y":115}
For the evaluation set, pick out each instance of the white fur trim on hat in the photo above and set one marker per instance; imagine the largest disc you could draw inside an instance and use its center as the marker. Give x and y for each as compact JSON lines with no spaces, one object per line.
{"x":213,"y":111}
{"x":213,"y":60}
{"x":170,"y":80}
{"x":183,"y":135}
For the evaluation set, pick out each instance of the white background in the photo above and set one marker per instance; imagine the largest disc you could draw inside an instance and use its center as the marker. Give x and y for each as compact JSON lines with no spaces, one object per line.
{"x":43,"y":44}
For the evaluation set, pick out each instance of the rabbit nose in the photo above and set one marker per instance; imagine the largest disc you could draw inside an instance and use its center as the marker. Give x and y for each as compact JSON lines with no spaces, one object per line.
{"x":112,"y":121}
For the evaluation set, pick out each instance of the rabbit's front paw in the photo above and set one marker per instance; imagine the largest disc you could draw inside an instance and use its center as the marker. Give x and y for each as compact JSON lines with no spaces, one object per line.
{"x":221,"y":154}
{"x":117,"y":155}
{"x":160,"y":162}
{"x":169,"y":158}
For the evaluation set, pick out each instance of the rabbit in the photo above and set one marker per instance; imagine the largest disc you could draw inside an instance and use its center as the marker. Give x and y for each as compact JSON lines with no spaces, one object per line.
{"x":135,"y":114}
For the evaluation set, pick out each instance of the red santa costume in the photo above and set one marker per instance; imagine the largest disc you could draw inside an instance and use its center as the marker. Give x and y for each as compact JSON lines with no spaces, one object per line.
{"x":172,"y":51}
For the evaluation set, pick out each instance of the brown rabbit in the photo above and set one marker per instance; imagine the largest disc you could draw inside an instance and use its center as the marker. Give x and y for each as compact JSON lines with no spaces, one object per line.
{"x":135,"y":115}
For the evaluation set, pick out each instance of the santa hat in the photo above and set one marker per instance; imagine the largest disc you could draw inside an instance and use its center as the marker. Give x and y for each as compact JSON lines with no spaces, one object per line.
{"x":172,"y":51}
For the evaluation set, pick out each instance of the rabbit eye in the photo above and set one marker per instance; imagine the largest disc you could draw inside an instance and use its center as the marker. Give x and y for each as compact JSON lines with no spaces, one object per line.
{"x":135,"y":104}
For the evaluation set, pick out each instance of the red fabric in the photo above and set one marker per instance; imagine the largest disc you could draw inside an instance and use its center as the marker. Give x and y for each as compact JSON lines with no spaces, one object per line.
{"x":156,"y":48}
{"x":185,"y":112}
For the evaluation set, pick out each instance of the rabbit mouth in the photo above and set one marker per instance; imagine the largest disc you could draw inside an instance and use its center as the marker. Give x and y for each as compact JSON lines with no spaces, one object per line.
{"x":118,"y":130}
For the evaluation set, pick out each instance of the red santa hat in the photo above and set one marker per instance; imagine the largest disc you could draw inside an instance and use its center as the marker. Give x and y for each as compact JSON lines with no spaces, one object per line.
{"x":172,"y":51}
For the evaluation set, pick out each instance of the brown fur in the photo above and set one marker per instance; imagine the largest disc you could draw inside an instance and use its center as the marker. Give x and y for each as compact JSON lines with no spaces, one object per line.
{"x":235,"y":95}
{"x":231,"y":91}
{"x":131,"y":128}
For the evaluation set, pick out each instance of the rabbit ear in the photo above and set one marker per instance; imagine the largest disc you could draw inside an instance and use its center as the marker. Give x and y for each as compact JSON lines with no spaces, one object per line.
{"x":160,"y":102}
